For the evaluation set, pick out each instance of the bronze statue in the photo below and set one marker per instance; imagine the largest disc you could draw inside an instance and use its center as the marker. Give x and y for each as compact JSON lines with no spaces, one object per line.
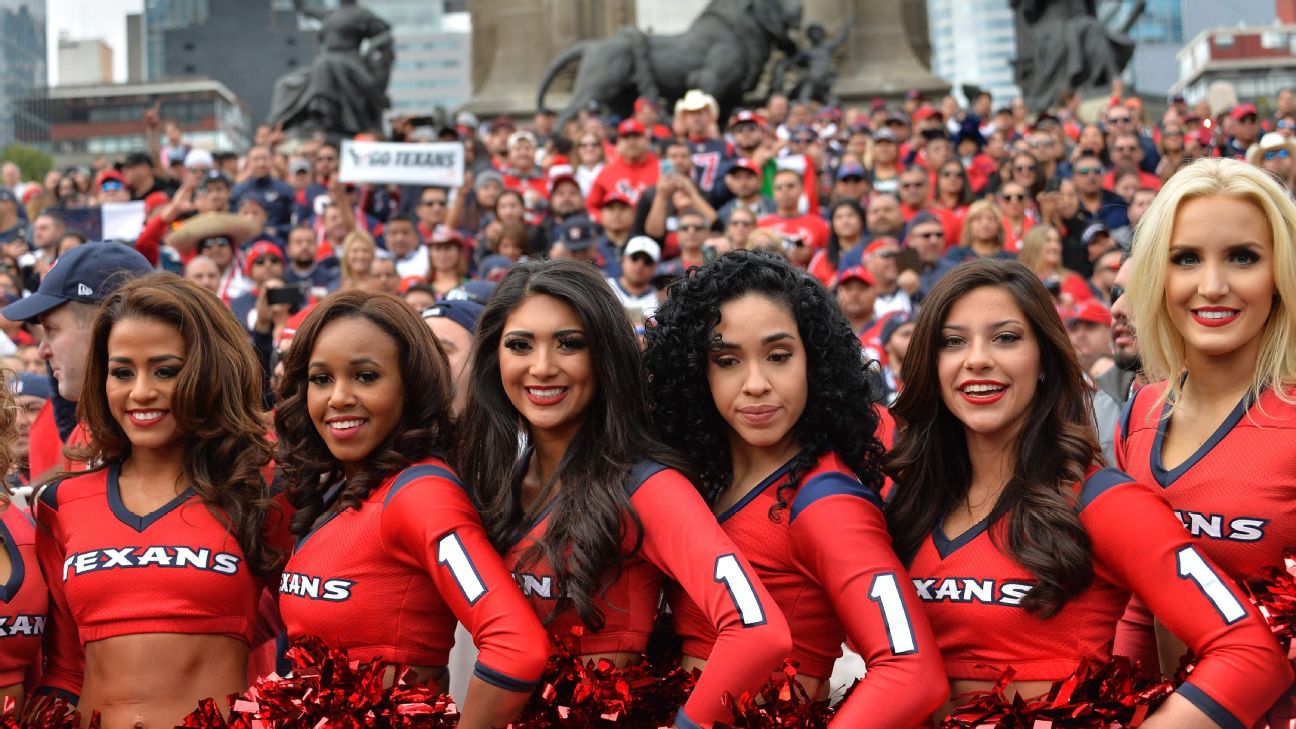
{"x":724,"y":53}
{"x":1063,"y":44}
{"x":818,"y":71}
{"x":345,"y":89}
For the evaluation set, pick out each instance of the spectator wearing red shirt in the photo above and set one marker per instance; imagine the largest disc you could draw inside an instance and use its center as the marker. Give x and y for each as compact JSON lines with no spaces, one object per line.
{"x":1127,"y":155}
{"x":632,"y":170}
{"x":808,"y":229}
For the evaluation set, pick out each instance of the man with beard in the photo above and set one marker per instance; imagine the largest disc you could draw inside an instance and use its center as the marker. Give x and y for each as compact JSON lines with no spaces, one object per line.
{"x":320,"y":277}
{"x":1117,"y":384}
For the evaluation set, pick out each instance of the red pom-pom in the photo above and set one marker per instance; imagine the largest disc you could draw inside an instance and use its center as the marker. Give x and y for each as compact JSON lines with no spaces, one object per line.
{"x":573,"y":694}
{"x":1110,"y":695}
{"x":43,"y":712}
{"x":781,"y":703}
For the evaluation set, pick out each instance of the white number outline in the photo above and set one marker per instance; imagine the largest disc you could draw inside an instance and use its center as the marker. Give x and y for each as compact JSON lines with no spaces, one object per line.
{"x":1190,"y":566}
{"x":452,"y":555}
{"x":737,"y":578}
{"x":885,"y":591}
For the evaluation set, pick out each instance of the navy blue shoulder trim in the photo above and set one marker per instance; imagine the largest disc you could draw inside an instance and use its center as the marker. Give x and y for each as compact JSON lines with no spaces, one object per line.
{"x":48,"y":495}
{"x":830,"y":484}
{"x":504,"y":681}
{"x":1209,"y":706}
{"x":1099,"y":483}
{"x":683,"y":721}
{"x":642,"y":471}
{"x":409,"y":475}
{"x":1127,"y":412}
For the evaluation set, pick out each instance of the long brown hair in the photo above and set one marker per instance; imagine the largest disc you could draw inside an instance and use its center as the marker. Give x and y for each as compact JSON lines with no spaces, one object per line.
{"x":930,"y":462}
{"x":217,"y":404}
{"x":425,"y":427}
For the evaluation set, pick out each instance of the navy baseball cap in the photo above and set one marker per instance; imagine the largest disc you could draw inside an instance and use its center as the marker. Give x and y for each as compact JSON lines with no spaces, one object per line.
{"x":577,"y":235}
{"x":463,"y":312}
{"x":33,"y":385}
{"x":85,"y":274}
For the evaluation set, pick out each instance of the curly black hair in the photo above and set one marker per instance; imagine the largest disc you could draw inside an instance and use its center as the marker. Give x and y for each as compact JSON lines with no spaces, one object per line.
{"x":839,"y":413}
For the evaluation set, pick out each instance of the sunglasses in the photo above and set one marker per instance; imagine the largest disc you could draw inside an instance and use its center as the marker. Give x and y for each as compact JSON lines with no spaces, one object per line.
{"x":1015,"y":197}
{"x":643,"y":258}
{"x":912,"y":185}
{"x":1025,"y":168}
{"x":1116,"y":292}
{"x":110,"y":186}
{"x":803,"y":140}
{"x":1088,"y":170}
{"x":1276,"y":154}
{"x":734,"y":221}
{"x":932,"y":234}
{"x":850,"y":178}
{"x":1119,"y":119}
{"x":1249,"y":119}
{"x":433,"y":203}
{"x":887,"y":253}
{"x":951,"y":173}
{"x":215,"y":243}
{"x":1125,"y":149}
{"x":267,"y":259}
{"x":692,"y":227}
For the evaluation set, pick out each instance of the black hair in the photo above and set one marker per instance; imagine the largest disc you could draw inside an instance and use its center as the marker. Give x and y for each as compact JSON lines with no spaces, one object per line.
{"x":839,"y":413}
{"x":930,"y":462}
{"x":425,"y":427}
{"x":834,"y":244}
{"x":590,"y":517}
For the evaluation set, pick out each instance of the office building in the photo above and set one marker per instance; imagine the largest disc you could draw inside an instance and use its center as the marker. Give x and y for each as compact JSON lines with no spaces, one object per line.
{"x":84,"y":122}
{"x":83,"y":62}
{"x":973,"y":43}
{"x":23,"y":67}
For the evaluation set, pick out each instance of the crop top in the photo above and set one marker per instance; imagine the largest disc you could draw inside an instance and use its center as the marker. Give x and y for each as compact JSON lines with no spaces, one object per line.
{"x":829,"y":565}
{"x":390,"y":578}
{"x":973,"y":593}
{"x":24,"y":597}
{"x":681,"y":542}
{"x":112,"y":572}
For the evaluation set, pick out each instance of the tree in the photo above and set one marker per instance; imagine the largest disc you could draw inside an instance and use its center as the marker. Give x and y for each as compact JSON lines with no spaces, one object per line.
{"x":34,"y":163}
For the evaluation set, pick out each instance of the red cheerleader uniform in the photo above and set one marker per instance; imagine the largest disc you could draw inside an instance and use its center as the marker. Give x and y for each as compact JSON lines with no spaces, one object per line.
{"x":112,"y":572}
{"x":390,"y":579}
{"x":1236,"y":495}
{"x":973,"y":592}
{"x":26,"y":601}
{"x":682,"y":542}
{"x":829,"y":565}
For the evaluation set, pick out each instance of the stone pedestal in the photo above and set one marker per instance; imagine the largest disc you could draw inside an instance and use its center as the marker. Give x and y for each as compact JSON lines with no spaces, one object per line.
{"x":514,"y":40}
{"x":889,"y":49}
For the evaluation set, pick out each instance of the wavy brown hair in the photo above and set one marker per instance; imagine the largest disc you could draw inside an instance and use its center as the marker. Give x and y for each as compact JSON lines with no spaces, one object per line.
{"x":425,"y":427}
{"x":930,"y":462}
{"x":217,"y":404}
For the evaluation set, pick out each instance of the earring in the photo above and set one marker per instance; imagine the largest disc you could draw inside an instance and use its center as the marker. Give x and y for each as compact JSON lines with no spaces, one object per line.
{"x":1041,"y":377}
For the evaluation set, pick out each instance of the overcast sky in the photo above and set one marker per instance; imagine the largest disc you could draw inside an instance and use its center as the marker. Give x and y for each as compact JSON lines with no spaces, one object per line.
{"x":86,"y":19}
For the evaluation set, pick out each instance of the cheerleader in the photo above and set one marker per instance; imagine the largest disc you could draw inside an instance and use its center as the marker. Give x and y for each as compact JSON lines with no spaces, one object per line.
{"x":390,"y":552}
{"x":592,"y":514}
{"x":1214,"y":264}
{"x":1022,"y":549}
{"x":156,"y":558}
{"x":22,"y":587}
{"x":755,"y":375}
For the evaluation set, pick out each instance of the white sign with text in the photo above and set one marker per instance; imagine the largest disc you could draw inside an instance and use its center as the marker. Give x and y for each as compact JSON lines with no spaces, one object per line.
{"x":399,"y":163}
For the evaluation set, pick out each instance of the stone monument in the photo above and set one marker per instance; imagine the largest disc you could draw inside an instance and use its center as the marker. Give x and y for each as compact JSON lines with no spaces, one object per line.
{"x":888,"y":52}
{"x":1064,"y":44}
{"x":345,"y":89}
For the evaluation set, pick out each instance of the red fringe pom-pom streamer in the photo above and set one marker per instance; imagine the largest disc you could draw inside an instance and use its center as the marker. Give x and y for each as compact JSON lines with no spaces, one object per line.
{"x":1110,"y":695}
{"x":781,"y":704}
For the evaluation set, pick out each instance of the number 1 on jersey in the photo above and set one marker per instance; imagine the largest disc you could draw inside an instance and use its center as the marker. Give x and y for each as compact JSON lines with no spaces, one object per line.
{"x":885,"y":591}
{"x":1191,"y":566}
{"x":730,"y":572}
{"x":451,"y":553}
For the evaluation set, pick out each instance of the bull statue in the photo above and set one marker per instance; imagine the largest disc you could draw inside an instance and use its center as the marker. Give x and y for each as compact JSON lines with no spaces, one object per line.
{"x":724,"y":53}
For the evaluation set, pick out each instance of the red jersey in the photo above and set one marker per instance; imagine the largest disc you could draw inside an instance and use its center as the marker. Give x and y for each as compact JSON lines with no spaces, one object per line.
{"x":829,"y":566}
{"x":974,"y":591}
{"x":809,"y":228}
{"x":391,"y":578}
{"x":1237,"y":494}
{"x":112,"y":572}
{"x":682,"y":542}
{"x":623,"y":177}
{"x":26,"y":601}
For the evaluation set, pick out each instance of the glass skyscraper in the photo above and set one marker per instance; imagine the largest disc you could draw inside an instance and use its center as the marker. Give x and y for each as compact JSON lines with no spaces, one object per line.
{"x":973,"y":43}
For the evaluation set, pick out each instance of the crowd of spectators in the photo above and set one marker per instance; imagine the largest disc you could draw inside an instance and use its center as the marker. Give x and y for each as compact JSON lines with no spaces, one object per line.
{"x":877,"y":201}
